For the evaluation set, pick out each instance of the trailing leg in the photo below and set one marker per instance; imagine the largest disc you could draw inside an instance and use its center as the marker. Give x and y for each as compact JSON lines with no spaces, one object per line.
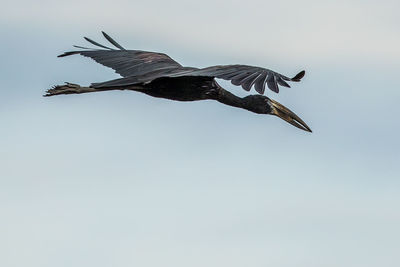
{"x":71,"y":88}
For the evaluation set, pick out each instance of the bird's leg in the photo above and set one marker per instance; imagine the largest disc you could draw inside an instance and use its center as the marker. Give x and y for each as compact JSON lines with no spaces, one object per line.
{"x":71,"y":88}
{"x":68,"y":88}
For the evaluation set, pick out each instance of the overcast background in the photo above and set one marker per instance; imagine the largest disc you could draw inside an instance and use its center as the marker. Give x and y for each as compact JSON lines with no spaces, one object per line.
{"x":123,"y":179}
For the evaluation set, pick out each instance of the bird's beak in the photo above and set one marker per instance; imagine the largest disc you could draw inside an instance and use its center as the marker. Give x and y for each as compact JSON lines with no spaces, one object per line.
{"x":285,"y":114}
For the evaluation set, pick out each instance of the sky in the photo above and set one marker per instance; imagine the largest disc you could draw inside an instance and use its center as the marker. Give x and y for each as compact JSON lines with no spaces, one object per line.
{"x":124,"y":179}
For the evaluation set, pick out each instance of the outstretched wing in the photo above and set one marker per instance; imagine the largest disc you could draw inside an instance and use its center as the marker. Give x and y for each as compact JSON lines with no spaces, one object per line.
{"x":126,"y":62}
{"x":142,"y":67}
{"x":244,"y":75}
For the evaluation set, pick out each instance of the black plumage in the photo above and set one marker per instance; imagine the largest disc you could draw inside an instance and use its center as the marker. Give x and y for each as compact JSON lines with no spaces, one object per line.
{"x":159,"y":75}
{"x":147,"y":66}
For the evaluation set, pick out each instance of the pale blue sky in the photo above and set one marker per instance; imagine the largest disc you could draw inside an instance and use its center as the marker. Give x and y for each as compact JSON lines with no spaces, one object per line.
{"x":123,"y":179}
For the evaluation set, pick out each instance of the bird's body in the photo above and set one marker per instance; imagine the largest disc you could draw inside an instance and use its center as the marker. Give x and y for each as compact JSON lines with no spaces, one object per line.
{"x":186,"y":88}
{"x":158,"y":75}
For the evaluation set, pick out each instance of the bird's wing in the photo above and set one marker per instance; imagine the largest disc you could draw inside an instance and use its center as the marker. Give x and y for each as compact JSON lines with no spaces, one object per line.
{"x":144,"y":78}
{"x":142,"y":67}
{"x":243,"y":75}
{"x":126,"y":62}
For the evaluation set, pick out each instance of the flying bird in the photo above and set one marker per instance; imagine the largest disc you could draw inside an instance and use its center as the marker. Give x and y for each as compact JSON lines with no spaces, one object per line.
{"x":158,"y":75}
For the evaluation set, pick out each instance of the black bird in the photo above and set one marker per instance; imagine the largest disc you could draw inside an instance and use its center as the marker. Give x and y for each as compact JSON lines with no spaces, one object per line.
{"x":158,"y":75}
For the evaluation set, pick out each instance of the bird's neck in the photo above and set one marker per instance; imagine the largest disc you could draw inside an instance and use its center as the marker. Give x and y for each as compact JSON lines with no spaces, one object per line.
{"x":230,"y":99}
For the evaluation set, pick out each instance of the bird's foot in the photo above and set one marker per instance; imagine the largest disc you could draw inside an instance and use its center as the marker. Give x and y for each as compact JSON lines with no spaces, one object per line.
{"x":67,"y":88}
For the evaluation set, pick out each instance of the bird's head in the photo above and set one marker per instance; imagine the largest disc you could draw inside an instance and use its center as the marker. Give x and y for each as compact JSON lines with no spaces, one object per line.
{"x":263,"y":105}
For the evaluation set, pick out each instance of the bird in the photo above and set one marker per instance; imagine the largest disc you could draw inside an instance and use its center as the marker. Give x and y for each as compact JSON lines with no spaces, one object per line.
{"x":158,"y":75}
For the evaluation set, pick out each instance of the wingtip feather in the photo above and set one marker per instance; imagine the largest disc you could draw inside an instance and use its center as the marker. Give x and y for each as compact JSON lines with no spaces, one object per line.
{"x":67,"y":54}
{"x":298,"y":76}
{"x":112,"y":41}
{"x":97,"y":44}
